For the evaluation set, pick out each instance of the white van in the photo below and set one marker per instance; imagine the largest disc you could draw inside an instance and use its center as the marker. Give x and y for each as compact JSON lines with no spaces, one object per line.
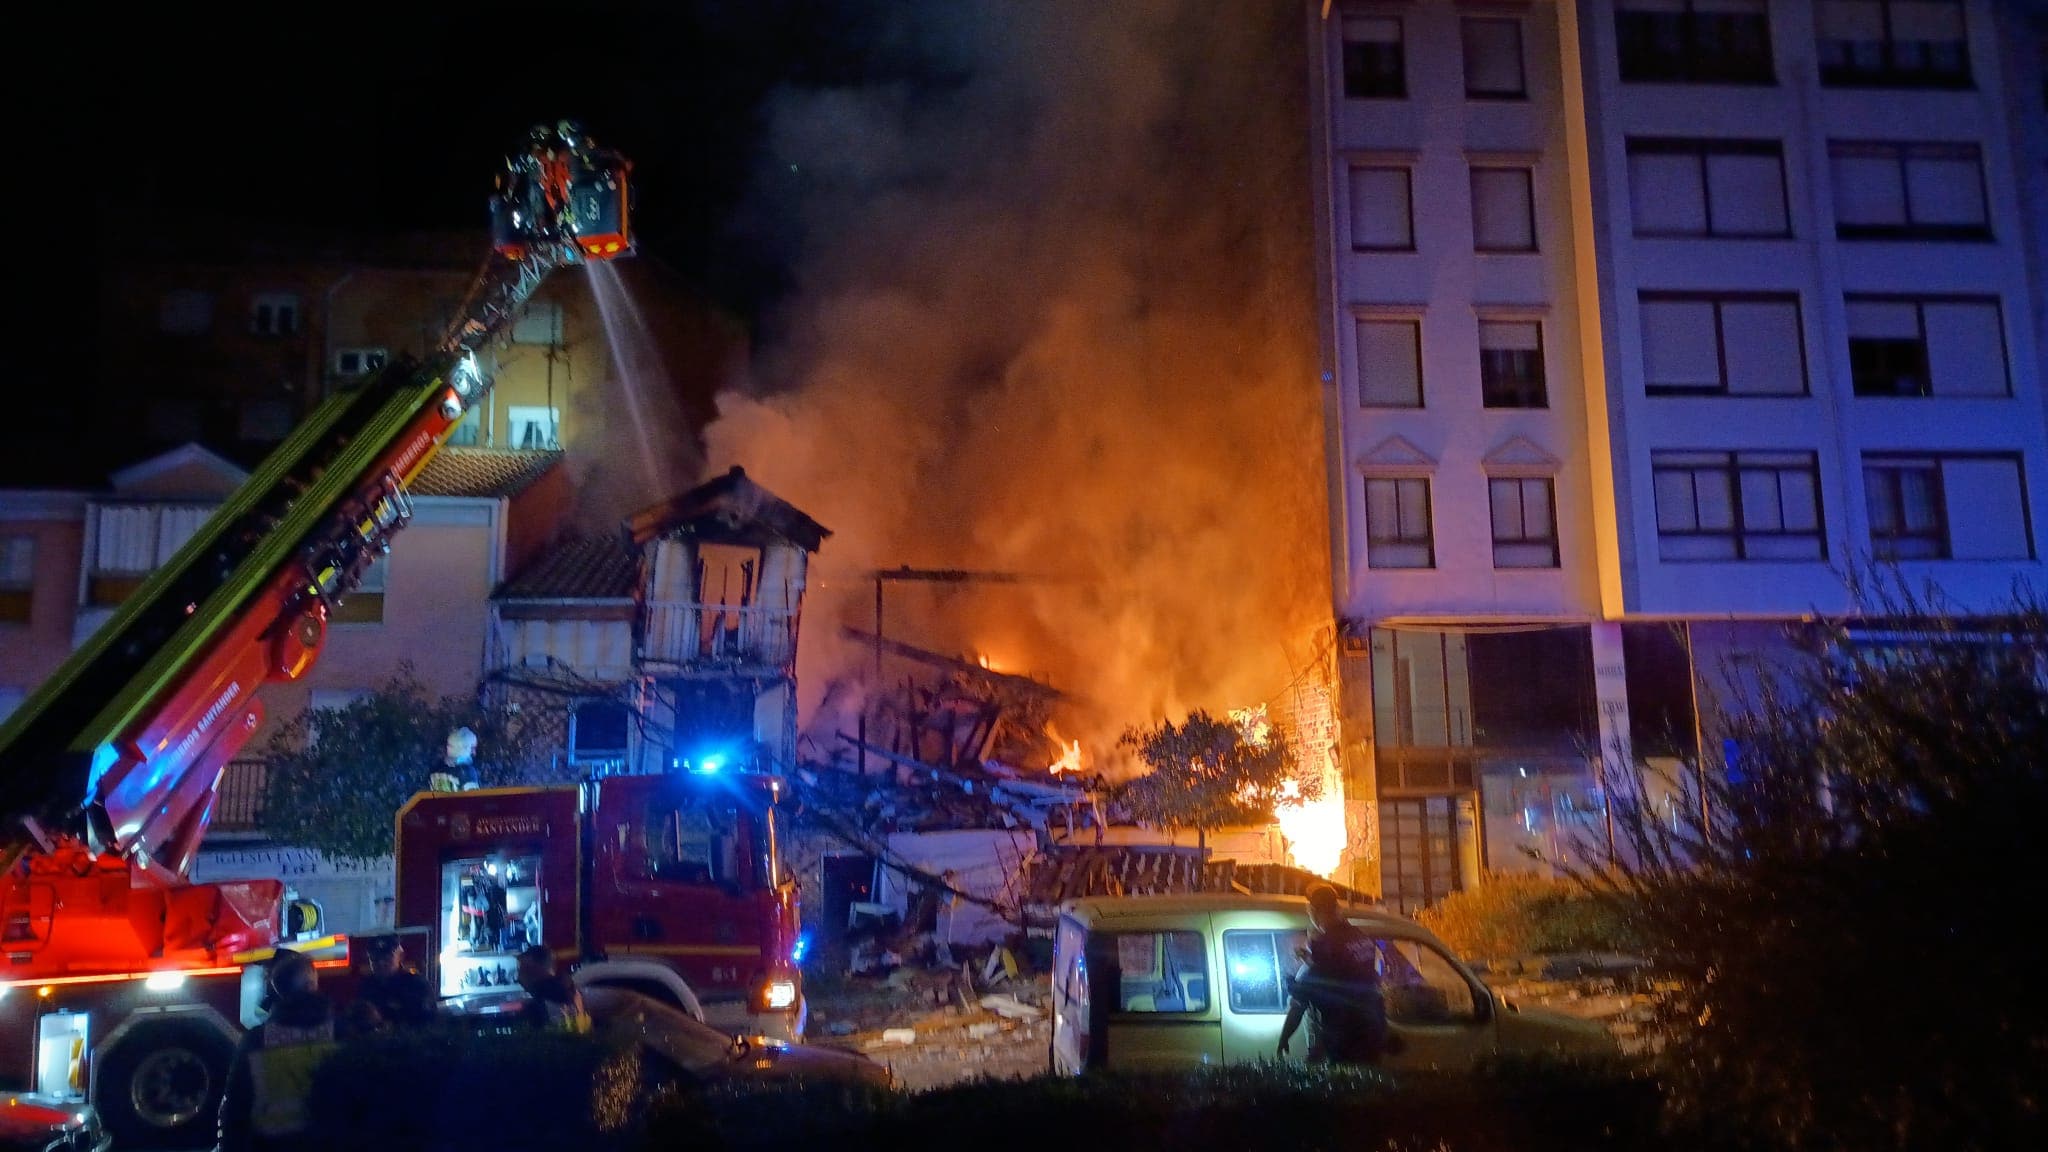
{"x":1163,"y":982}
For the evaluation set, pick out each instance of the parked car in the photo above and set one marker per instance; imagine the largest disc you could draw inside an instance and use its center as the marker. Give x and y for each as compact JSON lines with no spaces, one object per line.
{"x":31,"y":1123}
{"x":685,"y":1049}
{"x":1215,"y":968}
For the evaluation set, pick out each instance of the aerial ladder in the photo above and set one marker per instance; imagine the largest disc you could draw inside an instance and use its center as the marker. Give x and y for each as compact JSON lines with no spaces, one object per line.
{"x":109,"y":773}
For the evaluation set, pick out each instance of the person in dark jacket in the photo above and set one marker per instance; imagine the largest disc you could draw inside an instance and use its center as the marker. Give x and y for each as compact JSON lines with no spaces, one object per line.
{"x":1337,"y":989}
{"x":270,"y":1077}
{"x":556,"y":1001}
{"x":399,"y":994}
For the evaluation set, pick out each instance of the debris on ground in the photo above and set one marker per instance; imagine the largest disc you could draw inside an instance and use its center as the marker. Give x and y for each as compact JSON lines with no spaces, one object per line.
{"x":942,"y":1022}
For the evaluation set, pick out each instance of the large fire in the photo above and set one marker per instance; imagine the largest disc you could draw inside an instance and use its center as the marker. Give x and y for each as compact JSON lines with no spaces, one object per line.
{"x":1314,"y":828}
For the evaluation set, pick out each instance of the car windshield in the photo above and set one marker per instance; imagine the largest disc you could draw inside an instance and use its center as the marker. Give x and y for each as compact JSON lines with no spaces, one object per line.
{"x":692,"y":1045}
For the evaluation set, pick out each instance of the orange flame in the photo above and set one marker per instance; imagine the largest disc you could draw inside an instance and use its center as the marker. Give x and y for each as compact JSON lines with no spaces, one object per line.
{"x":1316,"y":837}
{"x":1069,"y":761}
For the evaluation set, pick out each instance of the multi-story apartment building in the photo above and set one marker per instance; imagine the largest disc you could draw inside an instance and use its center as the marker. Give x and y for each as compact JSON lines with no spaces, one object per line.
{"x":1644,"y":321}
{"x":232,"y":347}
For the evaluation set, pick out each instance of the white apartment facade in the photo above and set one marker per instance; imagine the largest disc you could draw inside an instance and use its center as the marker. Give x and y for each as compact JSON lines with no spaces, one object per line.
{"x":1643,"y":320}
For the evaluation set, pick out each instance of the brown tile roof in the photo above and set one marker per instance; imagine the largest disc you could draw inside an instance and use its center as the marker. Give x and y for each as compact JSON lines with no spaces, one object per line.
{"x":579,"y":568}
{"x":483,"y":472}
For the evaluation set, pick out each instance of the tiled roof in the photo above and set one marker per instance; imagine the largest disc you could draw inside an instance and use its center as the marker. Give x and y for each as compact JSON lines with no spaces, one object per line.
{"x":483,"y":472}
{"x":582,"y":568}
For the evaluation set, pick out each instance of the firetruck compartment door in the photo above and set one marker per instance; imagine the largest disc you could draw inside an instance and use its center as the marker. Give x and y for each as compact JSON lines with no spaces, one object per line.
{"x":62,"y":1039}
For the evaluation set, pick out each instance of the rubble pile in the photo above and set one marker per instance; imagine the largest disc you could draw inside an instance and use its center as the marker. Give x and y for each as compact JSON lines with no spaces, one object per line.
{"x":1071,"y":873}
{"x":942,"y":1025}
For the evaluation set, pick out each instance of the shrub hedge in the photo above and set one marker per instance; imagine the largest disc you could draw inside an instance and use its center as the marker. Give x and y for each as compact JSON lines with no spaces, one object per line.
{"x":1514,"y":915}
{"x":447,"y":1090}
{"x":1581,"y":1108}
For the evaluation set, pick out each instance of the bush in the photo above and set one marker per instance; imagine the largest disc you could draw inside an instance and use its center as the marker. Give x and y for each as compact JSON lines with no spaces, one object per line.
{"x":1843,"y":937}
{"x":440,"y":1090}
{"x":1524,"y":1108}
{"x":1510,"y":915}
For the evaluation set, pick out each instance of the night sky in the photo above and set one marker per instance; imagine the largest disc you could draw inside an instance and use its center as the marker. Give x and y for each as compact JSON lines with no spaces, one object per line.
{"x":361,"y":117}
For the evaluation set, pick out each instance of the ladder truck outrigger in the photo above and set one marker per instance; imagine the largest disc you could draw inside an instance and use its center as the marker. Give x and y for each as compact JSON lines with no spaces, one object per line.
{"x":121,"y":981}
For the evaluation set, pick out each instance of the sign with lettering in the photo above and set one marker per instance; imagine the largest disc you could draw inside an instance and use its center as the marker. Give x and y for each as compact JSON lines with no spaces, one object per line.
{"x":495,"y":827}
{"x":283,"y":863}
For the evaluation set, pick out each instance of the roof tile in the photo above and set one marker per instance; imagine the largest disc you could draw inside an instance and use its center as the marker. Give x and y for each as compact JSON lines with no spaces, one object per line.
{"x":483,"y":472}
{"x":579,"y":568}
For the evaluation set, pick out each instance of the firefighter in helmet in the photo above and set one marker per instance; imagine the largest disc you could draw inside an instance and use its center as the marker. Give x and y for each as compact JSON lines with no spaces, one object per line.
{"x":270,"y":1079}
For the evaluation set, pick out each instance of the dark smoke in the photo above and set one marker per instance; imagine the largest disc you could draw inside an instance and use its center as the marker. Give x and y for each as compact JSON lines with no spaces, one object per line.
{"x":1054,"y":315}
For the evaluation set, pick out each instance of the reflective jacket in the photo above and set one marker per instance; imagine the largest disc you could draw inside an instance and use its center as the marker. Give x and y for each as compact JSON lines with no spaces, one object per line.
{"x":270,"y":1081}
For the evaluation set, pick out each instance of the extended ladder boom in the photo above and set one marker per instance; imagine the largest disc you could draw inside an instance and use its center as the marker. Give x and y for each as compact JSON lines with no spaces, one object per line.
{"x":120,"y":751}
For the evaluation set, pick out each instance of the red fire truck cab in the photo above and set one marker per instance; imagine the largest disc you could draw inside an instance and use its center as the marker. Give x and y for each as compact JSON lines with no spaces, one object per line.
{"x":679,"y":869}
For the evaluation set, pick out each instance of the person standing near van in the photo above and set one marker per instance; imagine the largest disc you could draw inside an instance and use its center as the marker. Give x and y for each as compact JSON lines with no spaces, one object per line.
{"x":1337,"y":989}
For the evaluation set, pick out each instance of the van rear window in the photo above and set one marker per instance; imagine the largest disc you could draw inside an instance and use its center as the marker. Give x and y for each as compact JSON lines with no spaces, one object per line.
{"x":1162,"y":972}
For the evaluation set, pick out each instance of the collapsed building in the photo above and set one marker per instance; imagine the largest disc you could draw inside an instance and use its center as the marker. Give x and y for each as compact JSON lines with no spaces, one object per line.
{"x":676,"y":640}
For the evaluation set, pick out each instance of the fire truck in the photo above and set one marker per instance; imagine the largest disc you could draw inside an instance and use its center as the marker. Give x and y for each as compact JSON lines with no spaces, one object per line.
{"x":121,"y":982}
{"x":667,"y":883}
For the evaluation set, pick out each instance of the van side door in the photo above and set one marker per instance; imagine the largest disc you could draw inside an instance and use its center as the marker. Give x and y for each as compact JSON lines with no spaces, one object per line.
{"x":1437,"y":1016}
{"x":1259,"y":961}
{"x":1154,"y":988}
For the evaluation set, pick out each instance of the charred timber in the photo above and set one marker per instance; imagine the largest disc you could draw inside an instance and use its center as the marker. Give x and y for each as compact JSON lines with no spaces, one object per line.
{"x":1023,"y":685}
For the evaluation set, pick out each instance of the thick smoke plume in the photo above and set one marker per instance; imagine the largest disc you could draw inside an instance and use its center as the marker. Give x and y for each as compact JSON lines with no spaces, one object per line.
{"x":1055,"y":317}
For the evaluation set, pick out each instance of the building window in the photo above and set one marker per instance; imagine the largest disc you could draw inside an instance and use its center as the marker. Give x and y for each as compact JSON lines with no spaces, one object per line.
{"x":352,"y":362}
{"x":1927,"y":347}
{"x":468,"y":432}
{"x":1382,"y":215}
{"x":1738,"y":505}
{"x":1909,"y":191}
{"x":365,"y":605}
{"x":1707,"y":188}
{"x":1390,"y":363}
{"x":1748,"y":345}
{"x":599,"y":731}
{"x":1511,"y":364}
{"x":1893,"y":44}
{"x":539,"y":323}
{"x":274,"y":314}
{"x":1908,"y":512}
{"x":1503,"y":210}
{"x":17,"y":578}
{"x":1397,"y":524}
{"x":534,"y":427}
{"x":185,"y":312}
{"x":1943,"y":507}
{"x":1694,"y":41}
{"x":1493,"y":58}
{"x":1524,"y":522}
{"x":126,"y":542}
{"x":1375,"y":63}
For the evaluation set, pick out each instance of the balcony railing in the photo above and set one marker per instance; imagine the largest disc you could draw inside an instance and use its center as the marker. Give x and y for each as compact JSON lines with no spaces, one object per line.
{"x":715,"y":635}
